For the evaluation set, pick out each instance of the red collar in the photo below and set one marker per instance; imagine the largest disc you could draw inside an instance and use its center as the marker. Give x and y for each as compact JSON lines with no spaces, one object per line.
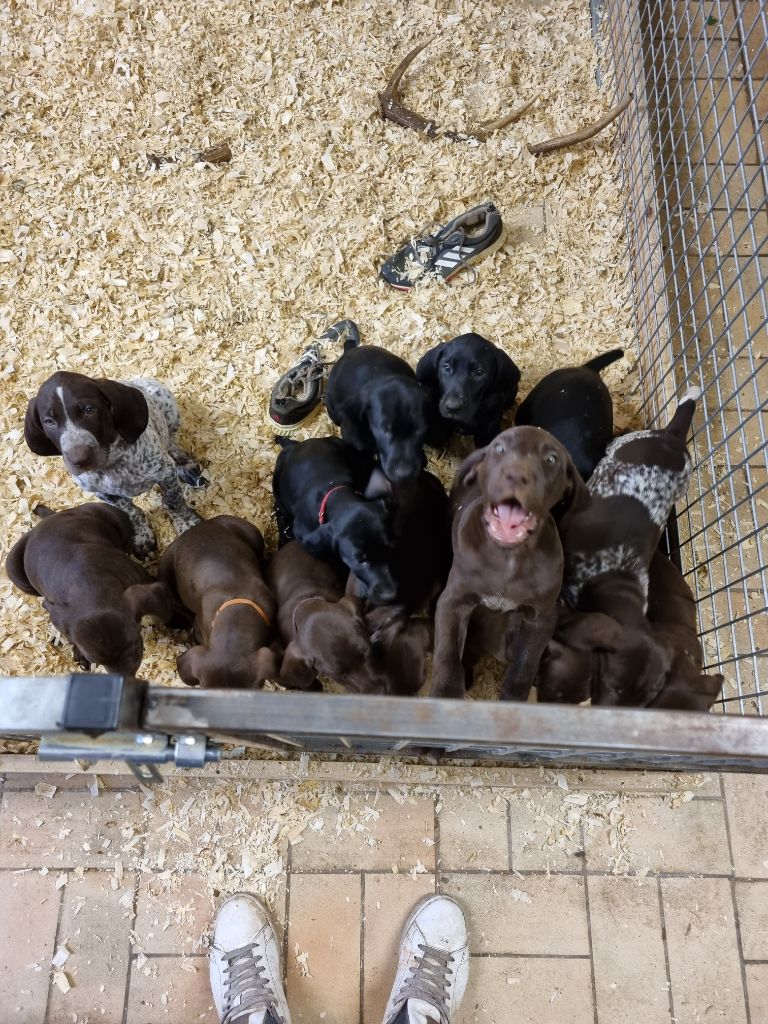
{"x":324,"y":502}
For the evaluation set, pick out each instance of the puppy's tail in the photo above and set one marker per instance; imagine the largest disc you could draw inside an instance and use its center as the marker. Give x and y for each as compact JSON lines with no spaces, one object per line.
{"x":42,"y":511}
{"x":283,"y":441}
{"x":680,"y":423}
{"x":604,"y":359}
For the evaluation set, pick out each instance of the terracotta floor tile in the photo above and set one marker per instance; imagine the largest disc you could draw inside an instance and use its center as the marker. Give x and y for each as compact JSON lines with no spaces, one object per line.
{"x":747,"y":802}
{"x":95,"y":924}
{"x":628,"y":951}
{"x":541,"y":836}
{"x":473,"y":831}
{"x":80,"y":782}
{"x":509,"y":990}
{"x":72,"y":829}
{"x":384,"y":833}
{"x":29,"y":911}
{"x":752,"y":905}
{"x":388,"y":902}
{"x":173,"y":914}
{"x":757,"y":989}
{"x":538,"y":914}
{"x":655,"y":835}
{"x":324,"y":923}
{"x":703,"y":955}
{"x":170,"y":990}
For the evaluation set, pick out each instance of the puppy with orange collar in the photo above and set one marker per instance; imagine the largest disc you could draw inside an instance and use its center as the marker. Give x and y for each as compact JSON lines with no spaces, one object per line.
{"x":214,"y":569}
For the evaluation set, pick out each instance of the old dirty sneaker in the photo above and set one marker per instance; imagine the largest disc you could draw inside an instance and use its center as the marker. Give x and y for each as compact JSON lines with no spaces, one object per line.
{"x":245,"y":965}
{"x":433,"y":967}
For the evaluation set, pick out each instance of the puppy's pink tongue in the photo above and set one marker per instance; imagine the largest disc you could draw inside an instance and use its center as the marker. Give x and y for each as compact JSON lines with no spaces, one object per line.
{"x":510,"y":516}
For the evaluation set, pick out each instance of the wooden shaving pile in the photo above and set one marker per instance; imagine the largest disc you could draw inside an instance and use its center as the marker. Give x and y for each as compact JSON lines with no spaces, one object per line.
{"x":215,"y":277}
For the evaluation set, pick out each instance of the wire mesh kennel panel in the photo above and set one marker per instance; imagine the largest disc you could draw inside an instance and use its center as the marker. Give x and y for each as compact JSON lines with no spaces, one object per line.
{"x":693,"y":164}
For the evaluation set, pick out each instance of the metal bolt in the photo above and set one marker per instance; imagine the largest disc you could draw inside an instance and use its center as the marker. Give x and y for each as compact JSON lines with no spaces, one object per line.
{"x":144,"y":739}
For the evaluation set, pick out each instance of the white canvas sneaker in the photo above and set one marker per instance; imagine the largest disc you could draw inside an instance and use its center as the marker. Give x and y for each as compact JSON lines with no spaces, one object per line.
{"x":245,"y":965}
{"x":433,"y":967}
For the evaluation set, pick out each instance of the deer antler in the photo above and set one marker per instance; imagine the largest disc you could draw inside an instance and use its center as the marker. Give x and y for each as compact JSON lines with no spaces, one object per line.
{"x":589,"y":132}
{"x":393,"y":110}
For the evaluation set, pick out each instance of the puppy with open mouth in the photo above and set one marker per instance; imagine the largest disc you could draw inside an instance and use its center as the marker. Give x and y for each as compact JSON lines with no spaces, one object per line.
{"x":507,"y":569}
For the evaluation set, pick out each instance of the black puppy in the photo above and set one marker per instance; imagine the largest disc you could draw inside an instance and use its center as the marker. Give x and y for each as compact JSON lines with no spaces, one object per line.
{"x":333,"y":500}
{"x":470,"y":383}
{"x":375,"y":398}
{"x":575,"y":406}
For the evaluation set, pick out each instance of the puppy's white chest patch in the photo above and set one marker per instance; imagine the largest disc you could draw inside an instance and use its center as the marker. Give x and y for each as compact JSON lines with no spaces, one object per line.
{"x":498,"y":603}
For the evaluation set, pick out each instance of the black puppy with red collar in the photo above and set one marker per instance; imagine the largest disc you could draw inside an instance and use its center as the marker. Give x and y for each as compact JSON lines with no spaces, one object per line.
{"x":333,"y":499}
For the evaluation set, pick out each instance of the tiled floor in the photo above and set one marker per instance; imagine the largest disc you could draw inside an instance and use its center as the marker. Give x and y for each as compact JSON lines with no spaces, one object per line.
{"x":646,"y":902}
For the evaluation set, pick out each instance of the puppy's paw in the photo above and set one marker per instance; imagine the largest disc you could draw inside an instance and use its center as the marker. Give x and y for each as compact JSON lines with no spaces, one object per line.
{"x":185,"y":520}
{"x":144,"y":542}
{"x":191,"y":474}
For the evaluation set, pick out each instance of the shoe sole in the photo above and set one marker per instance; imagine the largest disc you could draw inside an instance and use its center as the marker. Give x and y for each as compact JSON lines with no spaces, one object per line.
{"x":468,"y":263}
{"x":291,"y":428}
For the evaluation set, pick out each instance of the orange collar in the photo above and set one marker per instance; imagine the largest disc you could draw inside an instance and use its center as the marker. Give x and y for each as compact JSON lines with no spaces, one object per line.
{"x":240,"y":600}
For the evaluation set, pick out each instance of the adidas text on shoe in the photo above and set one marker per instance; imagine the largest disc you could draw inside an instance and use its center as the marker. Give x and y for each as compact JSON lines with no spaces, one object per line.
{"x":443,"y":254}
{"x":246,"y":978}
{"x":433,"y":966}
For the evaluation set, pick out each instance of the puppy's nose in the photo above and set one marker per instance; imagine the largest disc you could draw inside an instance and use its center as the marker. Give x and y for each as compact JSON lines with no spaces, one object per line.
{"x":453,"y":402}
{"x":79,"y":455}
{"x":515,"y":478}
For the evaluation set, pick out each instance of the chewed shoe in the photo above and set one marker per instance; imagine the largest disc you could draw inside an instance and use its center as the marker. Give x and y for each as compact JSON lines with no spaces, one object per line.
{"x":433,"y":965}
{"x":447,"y":251}
{"x":296,"y":396}
{"x":246,"y":980}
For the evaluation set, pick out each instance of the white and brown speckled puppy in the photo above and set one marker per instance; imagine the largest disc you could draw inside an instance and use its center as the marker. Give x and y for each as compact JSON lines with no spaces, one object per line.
{"x":609,"y":544}
{"x":118,"y":439}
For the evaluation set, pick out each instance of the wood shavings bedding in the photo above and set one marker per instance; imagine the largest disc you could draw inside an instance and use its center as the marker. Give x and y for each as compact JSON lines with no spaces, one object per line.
{"x":214,"y":278}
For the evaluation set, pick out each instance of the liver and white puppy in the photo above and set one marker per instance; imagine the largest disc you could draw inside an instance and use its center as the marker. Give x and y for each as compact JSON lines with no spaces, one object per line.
{"x":215,"y":570}
{"x":507,"y":559}
{"x":609,"y":543}
{"x":470,"y":383}
{"x":575,"y":405}
{"x":374,"y":397}
{"x":95,"y":594}
{"x":325,"y":634}
{"x":118,"y":439}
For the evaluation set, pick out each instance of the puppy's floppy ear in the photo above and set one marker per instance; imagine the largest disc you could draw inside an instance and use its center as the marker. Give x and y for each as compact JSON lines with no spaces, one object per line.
{"x":507,"y":375}
{"x":426,"y":368}
{"x":378,"y":485}
{"x":575,"y":496}
{"x":153,"y":599}
{"x":129,"y":408}
{"x":36,"y":438}
{"x":589,"y":631}
{"x":467,"y":472}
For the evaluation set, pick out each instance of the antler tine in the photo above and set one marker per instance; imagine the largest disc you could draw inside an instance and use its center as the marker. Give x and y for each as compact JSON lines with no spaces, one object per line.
{"x":392,"y":88}
{"x":485,"y":128}
{"x":550,"y":145}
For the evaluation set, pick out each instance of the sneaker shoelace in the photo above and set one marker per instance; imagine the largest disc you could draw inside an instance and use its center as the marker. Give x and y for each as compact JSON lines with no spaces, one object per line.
{"x":429,"y":980}
{"x":244,"y":978}
{"x":426,"y":246}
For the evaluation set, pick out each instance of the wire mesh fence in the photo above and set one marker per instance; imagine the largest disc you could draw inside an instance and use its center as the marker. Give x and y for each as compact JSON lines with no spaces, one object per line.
{"x":693,"y":163}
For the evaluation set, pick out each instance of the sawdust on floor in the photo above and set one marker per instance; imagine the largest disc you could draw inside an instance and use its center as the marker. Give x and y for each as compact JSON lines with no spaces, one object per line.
{"x":214,"y":278}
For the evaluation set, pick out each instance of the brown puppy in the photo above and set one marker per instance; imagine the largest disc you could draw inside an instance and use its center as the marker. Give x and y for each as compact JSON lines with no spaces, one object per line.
{"x":95,"y":594}
{"x":672,"y":614}
{"x":325,"y":634}
{"x":215,"y":569}
{"x":507,"y":560}
{"x":593,"y":655}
